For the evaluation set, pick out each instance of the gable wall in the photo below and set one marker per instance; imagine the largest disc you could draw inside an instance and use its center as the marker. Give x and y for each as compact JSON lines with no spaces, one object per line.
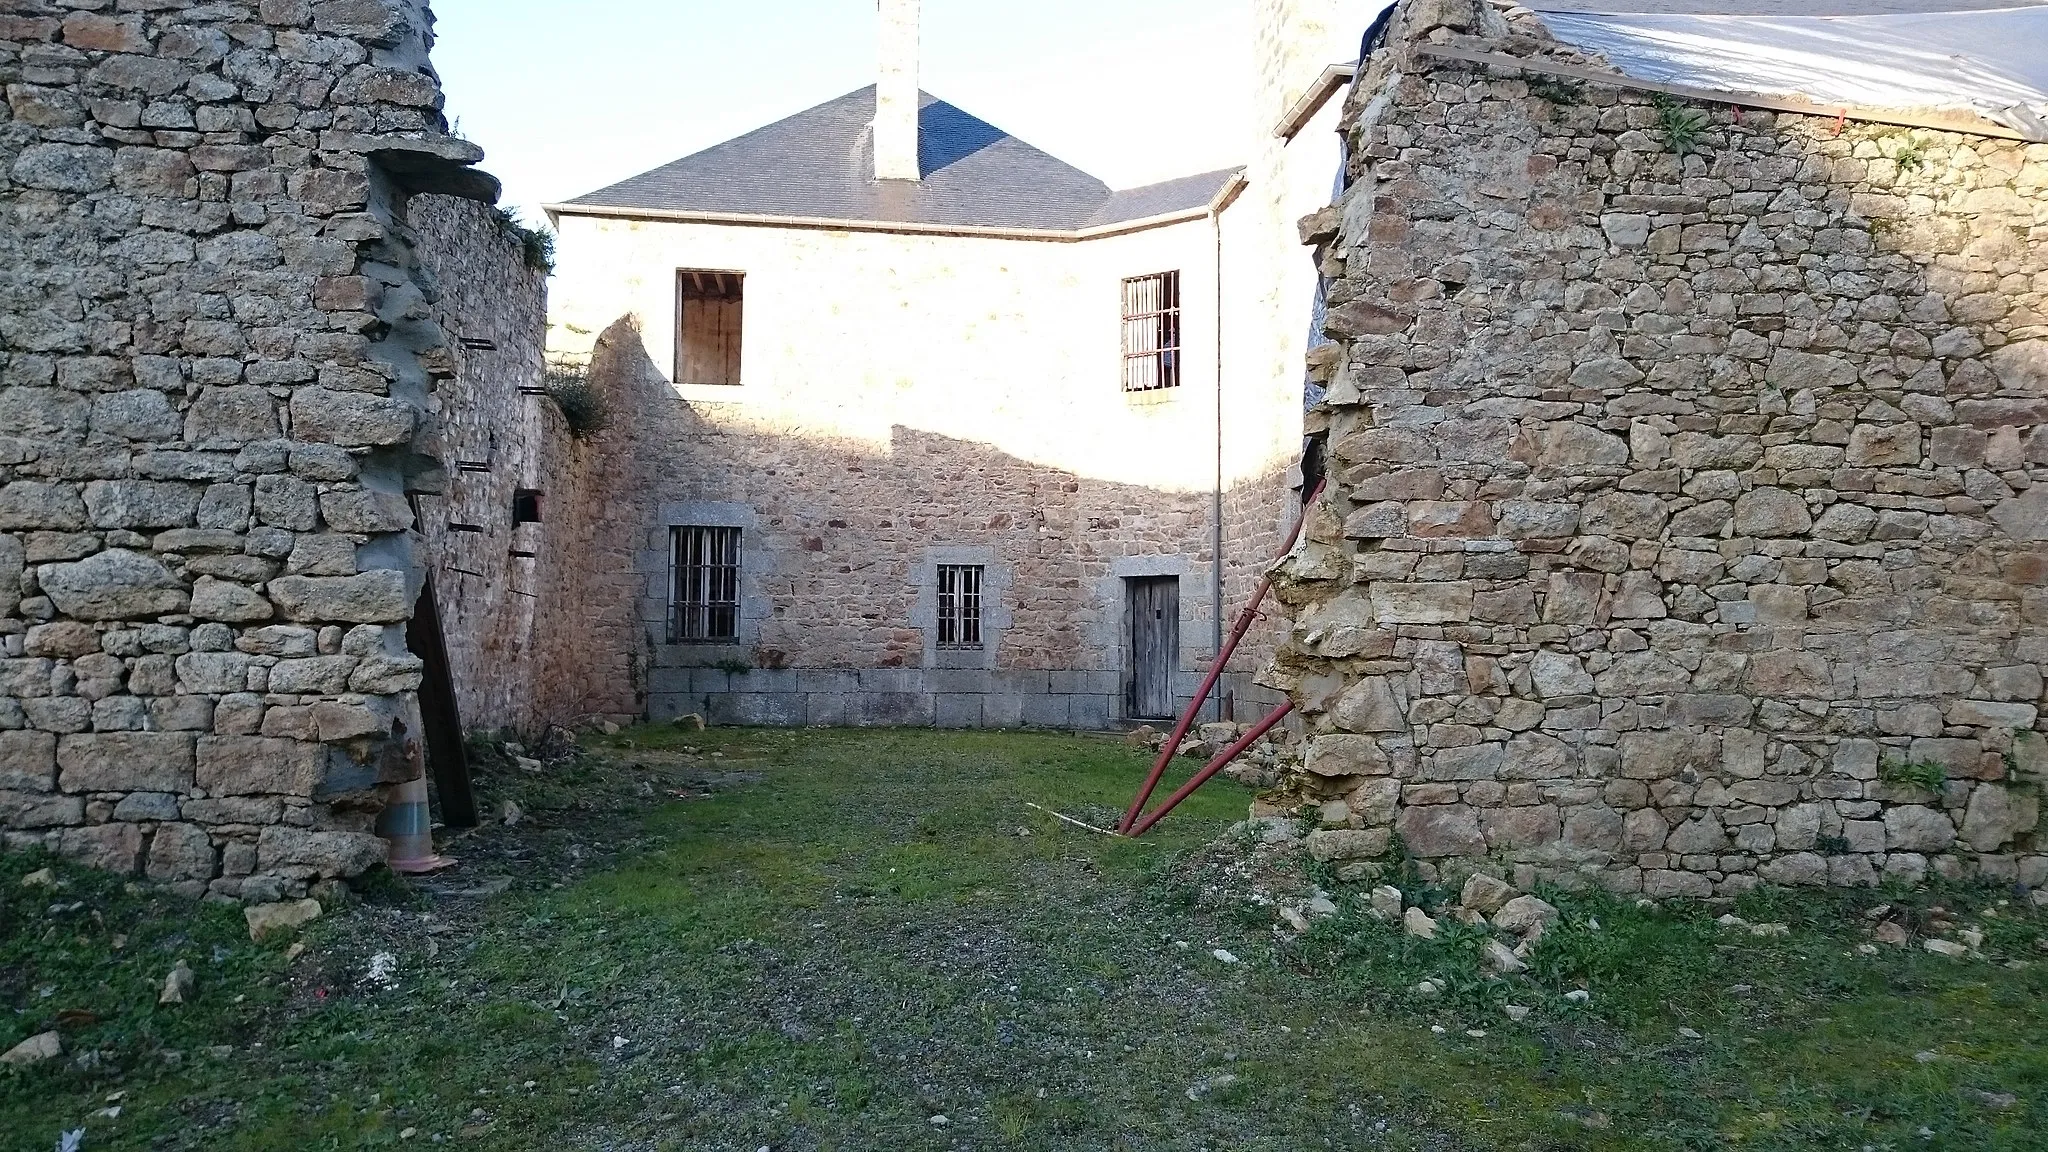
{"x":1684,"y":509}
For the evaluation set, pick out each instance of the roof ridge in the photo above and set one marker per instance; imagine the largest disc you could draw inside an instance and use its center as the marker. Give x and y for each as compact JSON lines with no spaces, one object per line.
{"x":818,"y":164}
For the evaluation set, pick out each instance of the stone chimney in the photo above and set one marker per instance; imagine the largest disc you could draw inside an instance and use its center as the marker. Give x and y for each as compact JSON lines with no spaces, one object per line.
{"x":896,"y":94}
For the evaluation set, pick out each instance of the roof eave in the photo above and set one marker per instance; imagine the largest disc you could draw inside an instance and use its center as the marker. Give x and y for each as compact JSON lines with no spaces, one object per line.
{"x":902,"y":227}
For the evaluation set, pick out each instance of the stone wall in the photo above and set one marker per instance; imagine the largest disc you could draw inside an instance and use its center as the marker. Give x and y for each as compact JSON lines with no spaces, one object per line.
{"x":494,"y":579}
{"x":857,"y":454}
{"x":1688,"y":511}
{"x":219,"y":369}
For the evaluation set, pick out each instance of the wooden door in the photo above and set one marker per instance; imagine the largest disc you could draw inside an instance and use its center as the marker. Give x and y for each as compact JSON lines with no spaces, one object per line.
{"x":1154,"y":651}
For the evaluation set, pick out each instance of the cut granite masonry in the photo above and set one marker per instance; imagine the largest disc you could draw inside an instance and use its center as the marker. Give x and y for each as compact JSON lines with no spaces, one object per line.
{"x":219,"y":358}
{"x":1688,"y":517}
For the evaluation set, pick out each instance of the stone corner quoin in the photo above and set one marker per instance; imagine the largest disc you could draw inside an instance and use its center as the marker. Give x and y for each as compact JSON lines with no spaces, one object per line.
{"x":1687,"y":525}
{"x":218,"y":370}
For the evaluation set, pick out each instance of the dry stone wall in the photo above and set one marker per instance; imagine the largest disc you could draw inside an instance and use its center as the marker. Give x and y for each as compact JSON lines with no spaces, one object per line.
{"x":499,"y":436}
{"x":1689,"y":513}
{"x":218,"y":362}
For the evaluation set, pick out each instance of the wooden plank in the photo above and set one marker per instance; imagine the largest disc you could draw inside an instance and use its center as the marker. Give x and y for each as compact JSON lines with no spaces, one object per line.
{"x":446,"y":757}
{"x":1968,"y":125}
{"x":729,"y":331}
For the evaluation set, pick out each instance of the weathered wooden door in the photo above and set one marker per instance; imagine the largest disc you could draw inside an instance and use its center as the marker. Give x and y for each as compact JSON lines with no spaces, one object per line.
{"x":1155,"y":645}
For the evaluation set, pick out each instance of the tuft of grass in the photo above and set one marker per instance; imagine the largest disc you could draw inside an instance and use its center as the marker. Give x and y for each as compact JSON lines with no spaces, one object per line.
{"x":1683,"y":126}
{"x":1560,"y":92}
{"x":582,"y":405}
{"x":536,"y":245}
{"x":1925,"y":776}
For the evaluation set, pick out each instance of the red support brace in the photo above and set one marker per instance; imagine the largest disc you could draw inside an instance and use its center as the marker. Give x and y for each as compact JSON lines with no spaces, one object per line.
{"x":1187,"y":720}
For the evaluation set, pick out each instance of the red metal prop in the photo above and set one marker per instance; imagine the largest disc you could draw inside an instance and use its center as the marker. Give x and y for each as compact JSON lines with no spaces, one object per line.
{"x":1187,"y":719}
{"x":1221,"y":762}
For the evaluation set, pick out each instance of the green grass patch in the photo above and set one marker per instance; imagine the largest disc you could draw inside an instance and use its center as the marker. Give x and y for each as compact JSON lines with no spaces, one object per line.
{"x":828,"y":939}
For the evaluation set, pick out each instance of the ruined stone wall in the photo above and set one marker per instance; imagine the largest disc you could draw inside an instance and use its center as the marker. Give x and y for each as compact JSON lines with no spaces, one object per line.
{"x":218,"y":370}
{"x":1688,"y":512}
{"x":592,"y":652}
{"x":499,"y":435}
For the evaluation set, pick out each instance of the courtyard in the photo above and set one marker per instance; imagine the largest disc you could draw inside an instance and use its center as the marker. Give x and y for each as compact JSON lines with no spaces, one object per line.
{"x":821,"y":939}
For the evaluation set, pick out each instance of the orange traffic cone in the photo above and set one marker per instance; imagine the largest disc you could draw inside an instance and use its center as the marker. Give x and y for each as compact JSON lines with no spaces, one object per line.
{"x":408,"y":826}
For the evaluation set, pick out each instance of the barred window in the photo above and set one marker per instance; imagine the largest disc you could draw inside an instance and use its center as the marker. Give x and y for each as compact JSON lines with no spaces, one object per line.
{"x":704,"y":585}
{"x":1152,"y":332}
{"x":959,"y":605}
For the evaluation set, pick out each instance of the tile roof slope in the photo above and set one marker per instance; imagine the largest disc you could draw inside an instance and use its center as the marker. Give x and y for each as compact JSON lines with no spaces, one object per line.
{"x":819,"y":164}
{"x":1162,"y":198}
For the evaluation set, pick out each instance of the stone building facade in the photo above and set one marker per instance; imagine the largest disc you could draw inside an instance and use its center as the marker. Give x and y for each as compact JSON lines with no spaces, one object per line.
{"x":1688,"y":521}
{"x":929,"y":377}
{"x":224,"y":361}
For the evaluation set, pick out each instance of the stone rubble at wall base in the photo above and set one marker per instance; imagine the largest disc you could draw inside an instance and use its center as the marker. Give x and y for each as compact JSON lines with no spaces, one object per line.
{"x":1687,"y":513}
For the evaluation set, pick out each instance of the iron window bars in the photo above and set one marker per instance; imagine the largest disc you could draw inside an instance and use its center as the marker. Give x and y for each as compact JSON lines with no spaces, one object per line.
{"x":1152,"y":332}
{"x":960,"y":606}
{"x":704,"y":585}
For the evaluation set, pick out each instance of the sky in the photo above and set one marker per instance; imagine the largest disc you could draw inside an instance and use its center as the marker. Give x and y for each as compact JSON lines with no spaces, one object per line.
{"x":569,"y":96}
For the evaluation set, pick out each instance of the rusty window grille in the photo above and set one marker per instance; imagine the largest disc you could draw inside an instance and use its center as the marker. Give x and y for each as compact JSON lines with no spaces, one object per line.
{"x":1152,"y":332}
{"x":704,"y":585}
{"x":960,"y":606}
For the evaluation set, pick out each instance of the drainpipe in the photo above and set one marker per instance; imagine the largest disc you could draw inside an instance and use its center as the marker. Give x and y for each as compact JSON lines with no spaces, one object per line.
{"x":1216,"y":498}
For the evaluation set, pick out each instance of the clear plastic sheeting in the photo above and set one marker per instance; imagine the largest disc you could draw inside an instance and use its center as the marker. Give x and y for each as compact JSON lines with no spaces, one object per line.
{"x":1992,"y":63}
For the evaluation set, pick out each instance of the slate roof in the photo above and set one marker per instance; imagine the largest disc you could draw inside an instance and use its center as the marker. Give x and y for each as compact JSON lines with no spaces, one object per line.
{"x":819,"y":164}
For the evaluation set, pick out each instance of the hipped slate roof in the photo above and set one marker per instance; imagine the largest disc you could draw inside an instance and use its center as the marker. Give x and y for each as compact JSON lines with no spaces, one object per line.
{"x":819,"y":165}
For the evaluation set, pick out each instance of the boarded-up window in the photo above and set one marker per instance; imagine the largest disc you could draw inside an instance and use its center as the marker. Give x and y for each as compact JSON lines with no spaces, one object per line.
{"x":704,"y":585}
{"x":708,"y":309}
{"x":959,"y":606}
{"x":1152,"y":332}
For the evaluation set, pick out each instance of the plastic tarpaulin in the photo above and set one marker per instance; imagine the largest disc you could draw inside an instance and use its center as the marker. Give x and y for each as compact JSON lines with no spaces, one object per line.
{"x":1993,"y":63}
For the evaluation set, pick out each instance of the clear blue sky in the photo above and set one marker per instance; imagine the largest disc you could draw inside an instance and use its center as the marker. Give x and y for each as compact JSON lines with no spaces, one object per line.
{"x":568,"y":96}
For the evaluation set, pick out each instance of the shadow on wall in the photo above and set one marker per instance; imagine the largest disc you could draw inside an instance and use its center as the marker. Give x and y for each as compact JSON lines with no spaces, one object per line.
{"x":839,"y":541}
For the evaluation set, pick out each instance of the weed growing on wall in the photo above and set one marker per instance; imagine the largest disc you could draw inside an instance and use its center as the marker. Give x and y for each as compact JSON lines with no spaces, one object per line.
{"x":582,"y":405}
{"x":1683,"y":127}
{"x":1926,"y":777}
{"x":1557,"y":91}
{"x":536,"y":245}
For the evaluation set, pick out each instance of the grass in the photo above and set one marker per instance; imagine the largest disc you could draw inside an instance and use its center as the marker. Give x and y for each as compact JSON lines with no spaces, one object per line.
{"x":823,"y":940}
{"x":1922,"y":776}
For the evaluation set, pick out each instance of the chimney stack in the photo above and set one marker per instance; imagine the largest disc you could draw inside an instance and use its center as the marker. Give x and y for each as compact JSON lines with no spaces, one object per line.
{"x":896,"y":94}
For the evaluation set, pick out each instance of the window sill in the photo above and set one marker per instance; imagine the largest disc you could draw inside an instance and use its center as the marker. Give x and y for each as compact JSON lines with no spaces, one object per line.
{"x":1152,"y":397}
{"x":715,"y":393}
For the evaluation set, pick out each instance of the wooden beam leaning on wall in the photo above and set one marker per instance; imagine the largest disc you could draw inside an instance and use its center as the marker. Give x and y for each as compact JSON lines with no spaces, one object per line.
{"x":1959,"y":122}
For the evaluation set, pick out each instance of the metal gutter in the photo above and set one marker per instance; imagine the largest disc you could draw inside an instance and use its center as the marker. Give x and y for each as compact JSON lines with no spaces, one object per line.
{"x":1332,"y":81}
{"x":900,"y":227}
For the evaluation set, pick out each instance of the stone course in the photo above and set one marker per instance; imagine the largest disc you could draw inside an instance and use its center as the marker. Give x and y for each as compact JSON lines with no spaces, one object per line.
{"x":1687,"y":513}
{"x":219,"y":368}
